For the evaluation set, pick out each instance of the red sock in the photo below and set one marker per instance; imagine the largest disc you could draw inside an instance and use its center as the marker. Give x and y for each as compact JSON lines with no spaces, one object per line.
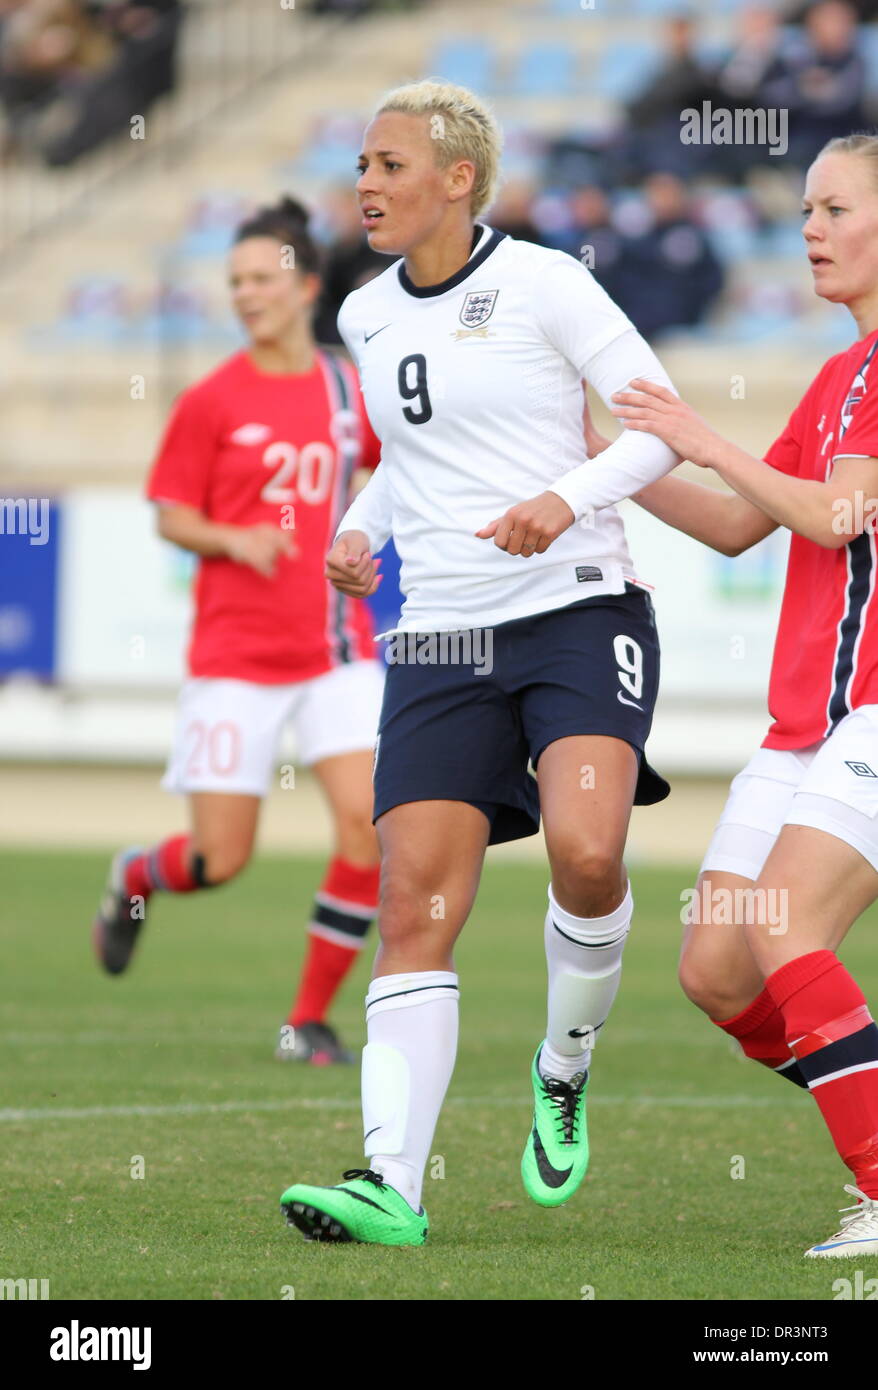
{"x":344,"y":907}
{"x":760,"y":1030}
{"x":167,"y":867}
{"x":831,"y":1034}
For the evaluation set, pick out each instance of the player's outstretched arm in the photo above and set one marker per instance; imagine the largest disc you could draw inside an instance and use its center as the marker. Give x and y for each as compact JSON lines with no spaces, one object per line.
{"x":722,"y":520}
{"x":260,"y":546}
{"x":831,"y":513}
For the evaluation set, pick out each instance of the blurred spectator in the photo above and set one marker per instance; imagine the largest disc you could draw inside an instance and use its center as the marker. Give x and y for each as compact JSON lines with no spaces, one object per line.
{"x":755,"y":58}
{"x":593,"y":238}
{"x":348,"y":7}
{"x":865,"y":10}
{"x":45,"y":44}
{"x":669,"y":276}
{"x":512,"y":211}
{"x":826,"y":89}
{"x":147,"y":33}
{"x":73,"y":72}
{"x":682,"y":81}
{"x":756,"y":74}
{"x":350,"y":261}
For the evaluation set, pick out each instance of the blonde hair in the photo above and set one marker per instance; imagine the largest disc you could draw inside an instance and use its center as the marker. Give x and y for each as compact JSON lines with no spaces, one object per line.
{"x":860,"y":143}
{"x":462,"y":127}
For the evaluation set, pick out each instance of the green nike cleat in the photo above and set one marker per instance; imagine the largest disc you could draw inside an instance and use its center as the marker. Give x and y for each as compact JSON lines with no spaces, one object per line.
{"x":555,"y":1156}
{"x":363,"y":1207}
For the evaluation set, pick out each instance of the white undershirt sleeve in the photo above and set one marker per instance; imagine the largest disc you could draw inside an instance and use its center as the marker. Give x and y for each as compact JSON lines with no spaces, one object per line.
{"x":635,"y":459}
{"x":371,"y":511}
{"x":580,"y":320}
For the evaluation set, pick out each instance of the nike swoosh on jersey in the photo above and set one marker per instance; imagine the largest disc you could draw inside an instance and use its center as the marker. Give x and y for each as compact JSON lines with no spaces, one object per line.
{"x":369,"y":336}
{"x":551,"y":1176}
{"x":621,"y":697}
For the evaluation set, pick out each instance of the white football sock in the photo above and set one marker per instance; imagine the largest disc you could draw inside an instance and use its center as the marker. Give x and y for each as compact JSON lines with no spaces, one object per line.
{"x":411,"y":1026}
{"x":584,"y":959}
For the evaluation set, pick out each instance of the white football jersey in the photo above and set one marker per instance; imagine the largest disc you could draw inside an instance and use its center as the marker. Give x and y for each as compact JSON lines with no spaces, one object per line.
{"x":474,"y":387}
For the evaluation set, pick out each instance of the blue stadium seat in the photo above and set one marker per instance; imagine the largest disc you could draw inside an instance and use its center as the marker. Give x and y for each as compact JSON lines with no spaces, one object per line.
{"x":604,"y":9}
{"x":869,"y":50}
{"x":97,"y":309}
{"x":733,"y":245}
{"x":210,"y":223}
{"x":784,"y":240}
{"x":661,"y":8}
{"x":623,"y":69}
{"x":468,"y":62}
{"x":332,"y":147}
{"x":546,"y":69}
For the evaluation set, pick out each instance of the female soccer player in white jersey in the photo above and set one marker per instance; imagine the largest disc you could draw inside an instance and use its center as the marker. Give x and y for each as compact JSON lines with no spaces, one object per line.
{"x":801,"y":821}
{"x":253,"y":475}
{"x":524,"y":636}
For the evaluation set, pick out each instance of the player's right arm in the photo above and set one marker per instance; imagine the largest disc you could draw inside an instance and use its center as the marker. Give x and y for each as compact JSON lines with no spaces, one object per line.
{"x":722,"y":520}
{"x":350,"y":567}
{"x":365,"y":527}
{"x":259,"y":546}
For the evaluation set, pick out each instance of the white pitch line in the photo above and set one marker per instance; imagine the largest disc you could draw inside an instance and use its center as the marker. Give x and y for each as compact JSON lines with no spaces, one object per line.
{"x":91,"y":1112}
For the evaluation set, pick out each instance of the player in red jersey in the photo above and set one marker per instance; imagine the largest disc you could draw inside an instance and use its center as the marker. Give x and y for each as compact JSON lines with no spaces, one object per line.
{"x":796,"y":848}
{"x":253,"y":475}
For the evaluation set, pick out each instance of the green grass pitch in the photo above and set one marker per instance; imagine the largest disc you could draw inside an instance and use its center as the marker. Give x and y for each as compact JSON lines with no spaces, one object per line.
{"x":172,"y":1064}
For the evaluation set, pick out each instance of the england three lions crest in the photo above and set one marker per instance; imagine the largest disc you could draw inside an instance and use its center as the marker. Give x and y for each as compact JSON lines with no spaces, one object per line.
{"x":478,"y":306}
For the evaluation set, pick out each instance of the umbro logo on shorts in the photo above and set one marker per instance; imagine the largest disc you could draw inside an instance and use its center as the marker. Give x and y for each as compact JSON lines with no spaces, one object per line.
{"x":861,"y":769}
{"x":252,"y":434}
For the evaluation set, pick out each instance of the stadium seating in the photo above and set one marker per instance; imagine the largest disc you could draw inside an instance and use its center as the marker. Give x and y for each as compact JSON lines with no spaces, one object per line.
{"x":468,"y":62}
{"x":94,"y":279}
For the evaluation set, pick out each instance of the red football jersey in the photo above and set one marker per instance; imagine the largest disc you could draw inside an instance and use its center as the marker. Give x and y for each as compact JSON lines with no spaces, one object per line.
{"x":826,"y":653}
{"x":245,"y":446}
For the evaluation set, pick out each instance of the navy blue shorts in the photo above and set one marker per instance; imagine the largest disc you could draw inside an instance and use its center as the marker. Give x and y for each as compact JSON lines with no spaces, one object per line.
{"x":461,"y":721}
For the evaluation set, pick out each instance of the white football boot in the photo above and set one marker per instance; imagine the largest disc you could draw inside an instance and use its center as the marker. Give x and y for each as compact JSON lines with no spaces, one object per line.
{"x":857,"y":1233}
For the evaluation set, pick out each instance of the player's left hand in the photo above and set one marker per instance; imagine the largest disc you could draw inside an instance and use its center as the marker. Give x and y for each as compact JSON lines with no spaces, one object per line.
{"x":644,"y":405}
{"x":529,"y":528}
